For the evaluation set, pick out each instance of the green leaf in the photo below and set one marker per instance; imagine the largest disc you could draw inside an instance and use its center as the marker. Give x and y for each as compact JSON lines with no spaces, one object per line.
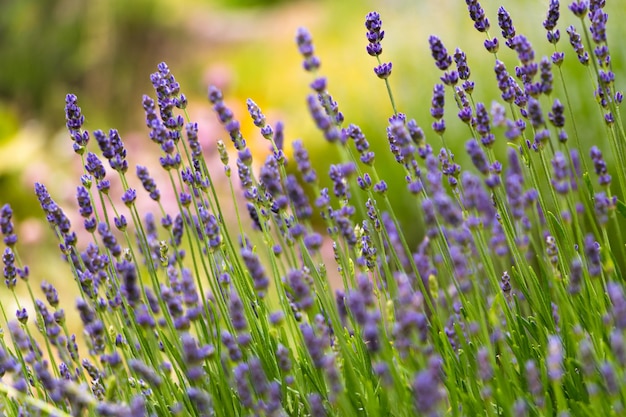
{"x":621,"y":208}
{"x":588,"y":183}
{"x":557,"y":226}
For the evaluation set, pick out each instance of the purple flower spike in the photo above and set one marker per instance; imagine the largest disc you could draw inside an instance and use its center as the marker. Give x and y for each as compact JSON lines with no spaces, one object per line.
{"x":436,"y":110}
{"x":322,"y":120}
{"x":313,"y":241}
{"x":74,"y":121}
{"x":319,"y":84}
{"x":148,"y":183}
{"x":524,"y":49}
{"x":592,"y":253}
{"x":492,"y":45}
{"x":6,"y":226}
{"x":383,"y":71}
{"x":461,"y":64}
{"x":109,"y":240}
{"x":560,"y":181}
{"x":545,"y":67}
{"x":374,"y":34}
{"x":73,"y":115}
{"x":576,"y":42}
{"x":10,"y":272}
{"x":506,"y":25}
{"x":225,"y":115}
{"x":553,"y":16}
{"x":438,"y":101}
{"x":478,"y":156}
{"x":129,"y":197}
{"x":604,"y":178}
{"x":598,"y":26}
{"x":616,"y":295}
{"x":603,"y":204}
{"x":309,"y":175}
{"x":84,"y":202}
{"x":477,"y":14}
{"x":579,"y":8}
{"x":255,"y":113}
{"x":426,"y":392}
{"x":556,"y":116}
{"x":439,"y":53}
{"x":305,"y":46}
{"x":260,"y":280}
{"x":554,"y":359}
{"x":483,"y":126}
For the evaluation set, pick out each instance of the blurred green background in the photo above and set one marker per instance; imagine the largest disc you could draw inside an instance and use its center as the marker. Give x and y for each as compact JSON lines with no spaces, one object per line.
{"x":105,"y":51}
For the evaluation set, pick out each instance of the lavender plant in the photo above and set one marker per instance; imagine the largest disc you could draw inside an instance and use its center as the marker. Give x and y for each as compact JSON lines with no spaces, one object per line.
{"x":512,"y":304}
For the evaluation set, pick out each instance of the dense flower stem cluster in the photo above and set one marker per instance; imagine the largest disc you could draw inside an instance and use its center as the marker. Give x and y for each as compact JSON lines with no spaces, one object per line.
{"x":512,"y":301}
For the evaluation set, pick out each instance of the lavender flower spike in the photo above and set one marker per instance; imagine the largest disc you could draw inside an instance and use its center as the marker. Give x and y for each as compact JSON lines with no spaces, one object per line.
{"x":383,"y":71}
{"x":477,"y":14}
{"x":604,"y":178}
{"x":506,"y":26}
{"x":374,"y":34}
{"x":305,"y":46}
{"x":551,"y":20}
{"x":6,"y":226}
{"x":74,"y":122}
{"x":439,"y":53}
{"x":576,"y":42}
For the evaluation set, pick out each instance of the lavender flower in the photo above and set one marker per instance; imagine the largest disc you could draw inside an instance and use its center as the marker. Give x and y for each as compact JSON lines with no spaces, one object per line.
{"x":545,"y":67}
{"x":226,"y":117}
{"x":426,"y":392}
{"x":383,"y":71}
{"x":579,"y":7}
{"x":506,"y":25}
{"x":551,"y":20}
{"x":145,"y":372}
{"x":439,"y":53}
{"x":555,"y":358}
{"x":604,"y":178}
{"x":52,"y":296}
{"x":305,"y":45}
{"x":362,"y":145}
{"x":436,"y":110}
{"x":6,"y":226}
{"x":598,"y":26}
{"x":74,"y":121}
{"x":299,"y":284}
{"x":259,"y":279}
{"x":322,"y":119}
{"x":557,"y":118}
{"x":492,"y":45}
{"x":483,"y":126}
{"x":109,"y":240}
{"x":148,"y":183}
{"x":316,"y":405}
{"x":194,"y":356}
{"x":374,"y":34}
{"x":560,"y":180}
{"x":576,"y":42}
{"x":478,"y":156}
{"x":533,"y":380}
{"x":505,"y":283}
{"x":460,"y":59}
{"x":592,"y":253}
{"x":477,"y":14}
{"x":9,"y":272}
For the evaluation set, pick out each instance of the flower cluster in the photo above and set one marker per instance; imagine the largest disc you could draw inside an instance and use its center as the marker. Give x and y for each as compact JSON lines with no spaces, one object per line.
{"x":507,"y":298}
